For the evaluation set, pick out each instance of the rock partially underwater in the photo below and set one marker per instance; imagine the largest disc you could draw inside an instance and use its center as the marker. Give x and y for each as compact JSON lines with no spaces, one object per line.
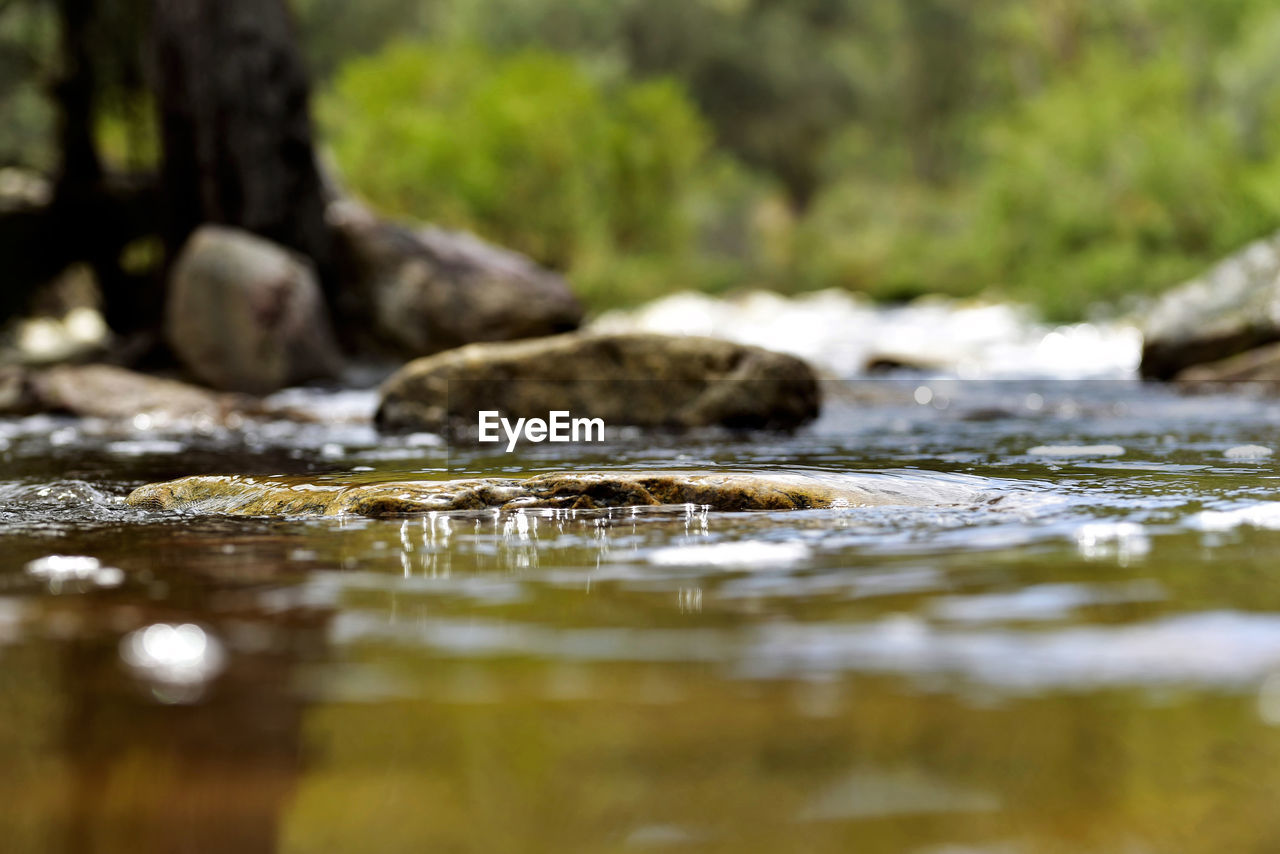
{"x":280,"y":496}
{"x":664,"y":381}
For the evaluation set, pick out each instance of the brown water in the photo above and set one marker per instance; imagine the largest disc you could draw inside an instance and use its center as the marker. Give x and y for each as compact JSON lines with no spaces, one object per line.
{"x":1090,"y":663}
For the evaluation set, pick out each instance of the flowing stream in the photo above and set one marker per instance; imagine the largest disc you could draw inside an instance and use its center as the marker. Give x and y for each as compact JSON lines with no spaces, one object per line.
{"x":1071,"y":645}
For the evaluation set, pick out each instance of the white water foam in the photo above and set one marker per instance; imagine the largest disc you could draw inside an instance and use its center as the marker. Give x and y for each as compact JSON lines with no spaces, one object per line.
{"x":843,"y":333}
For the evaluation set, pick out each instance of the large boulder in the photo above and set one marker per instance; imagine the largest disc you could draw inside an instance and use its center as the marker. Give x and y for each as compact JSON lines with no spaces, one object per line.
{"x":244,"y":314}
{"x":427,"y":289}
{"x":625,"y":379}
{"x":236,"y":495}
{"x":1233,"y":307}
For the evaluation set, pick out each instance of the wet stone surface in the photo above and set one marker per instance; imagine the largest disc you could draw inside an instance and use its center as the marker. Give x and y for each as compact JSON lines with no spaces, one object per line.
{"x":656,"y":381}
{"x":282,"y":496}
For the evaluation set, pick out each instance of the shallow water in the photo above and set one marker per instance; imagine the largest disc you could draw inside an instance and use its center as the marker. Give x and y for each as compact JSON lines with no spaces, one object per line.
{"x":1077,"y":649}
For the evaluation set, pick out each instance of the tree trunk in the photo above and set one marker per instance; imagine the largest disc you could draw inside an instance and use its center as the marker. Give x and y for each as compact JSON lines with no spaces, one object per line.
{"x":93,"y":214}
{"x":81,"y":169}
{"x":233,"y":95}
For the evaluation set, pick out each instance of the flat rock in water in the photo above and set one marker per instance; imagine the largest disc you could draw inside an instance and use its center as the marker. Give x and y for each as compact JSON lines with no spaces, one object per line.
{"x":281,"y":496}
{"x":110,"y":392}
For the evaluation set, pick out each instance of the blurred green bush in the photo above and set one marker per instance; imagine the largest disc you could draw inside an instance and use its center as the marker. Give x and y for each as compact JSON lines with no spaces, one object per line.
{"x":1117,"y":181}
{"x":610,"y":180}
{"x":1067,"y":155}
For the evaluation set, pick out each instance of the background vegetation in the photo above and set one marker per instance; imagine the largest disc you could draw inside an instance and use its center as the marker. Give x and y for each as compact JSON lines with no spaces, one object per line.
{"x":1069,"y":153}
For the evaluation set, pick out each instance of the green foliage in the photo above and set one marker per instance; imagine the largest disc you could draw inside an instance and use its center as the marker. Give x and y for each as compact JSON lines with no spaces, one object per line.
{"x":1116,"y":188}
{"x":334,"y":31}
{"x":1067,"y":154}
{"x":127,"y":135}
{"x":1064,"y":153}
{"x":30,"y":68}
{"x":595,"y":177}
{"x":1119,"y":179}
{"x":27,"y":32}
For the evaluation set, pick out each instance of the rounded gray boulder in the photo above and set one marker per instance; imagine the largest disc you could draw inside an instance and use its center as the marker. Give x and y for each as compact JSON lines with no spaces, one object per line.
{"x":244,"y":314}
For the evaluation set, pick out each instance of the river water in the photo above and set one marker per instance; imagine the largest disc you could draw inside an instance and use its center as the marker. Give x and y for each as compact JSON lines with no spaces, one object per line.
{"x":1073,"y":647}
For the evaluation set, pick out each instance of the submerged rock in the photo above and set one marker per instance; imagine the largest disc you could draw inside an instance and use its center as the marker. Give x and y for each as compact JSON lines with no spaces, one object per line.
{"x":244,"y":314}
{"x":278,"y":496}
{"x":430,"y":289}
{"x":1232,"y":308}
{"x":625,"y":379}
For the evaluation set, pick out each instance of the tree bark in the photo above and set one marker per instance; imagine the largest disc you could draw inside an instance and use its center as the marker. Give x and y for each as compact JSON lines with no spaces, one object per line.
{"x":93,"y":214}
{"x":233,"y":95}
{"x":81,"y":169}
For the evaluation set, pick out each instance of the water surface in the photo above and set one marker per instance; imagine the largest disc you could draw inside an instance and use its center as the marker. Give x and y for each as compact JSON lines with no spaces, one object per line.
{"x":1081,"y":656}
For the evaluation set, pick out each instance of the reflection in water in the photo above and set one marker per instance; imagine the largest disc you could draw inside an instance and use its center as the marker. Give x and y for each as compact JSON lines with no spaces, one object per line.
{"x":745,"y":555}
{"x":876,"y":794}
{"x":74,"y":572}
{"x":178,"y":662}
{"x":156,"y":714}
{"x":1122,"y":541}
{"x":152,"y":769}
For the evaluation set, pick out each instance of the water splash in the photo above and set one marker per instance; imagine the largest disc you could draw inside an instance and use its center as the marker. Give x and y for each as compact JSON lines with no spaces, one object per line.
{"x":844,"y":334}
